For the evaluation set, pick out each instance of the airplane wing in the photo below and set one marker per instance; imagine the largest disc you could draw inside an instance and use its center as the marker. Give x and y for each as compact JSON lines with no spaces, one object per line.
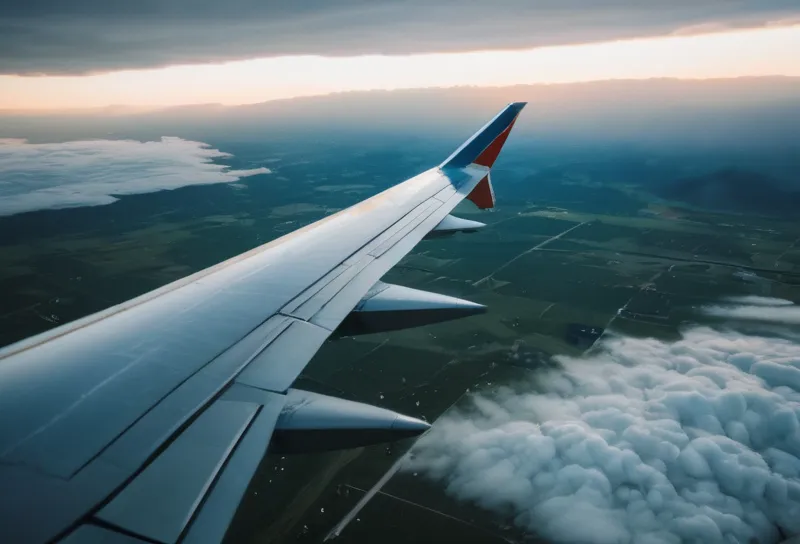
{"x":144,"y":423}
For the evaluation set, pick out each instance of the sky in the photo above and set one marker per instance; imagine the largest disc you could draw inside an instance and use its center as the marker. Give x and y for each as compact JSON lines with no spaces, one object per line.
{"x":88,"y":53}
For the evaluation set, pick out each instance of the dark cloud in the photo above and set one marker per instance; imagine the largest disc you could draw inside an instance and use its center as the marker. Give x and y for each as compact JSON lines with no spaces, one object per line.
{"x":80,"y":36}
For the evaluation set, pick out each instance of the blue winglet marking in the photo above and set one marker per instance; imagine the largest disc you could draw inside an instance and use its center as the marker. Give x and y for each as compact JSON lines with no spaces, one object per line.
{"x":473,"y":147}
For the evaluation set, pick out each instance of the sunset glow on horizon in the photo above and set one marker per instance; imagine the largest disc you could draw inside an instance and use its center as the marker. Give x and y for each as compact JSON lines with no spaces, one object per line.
{"x":759,"y":52}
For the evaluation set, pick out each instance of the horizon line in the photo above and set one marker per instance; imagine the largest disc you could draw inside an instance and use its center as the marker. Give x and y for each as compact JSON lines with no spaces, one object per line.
{"x":132,"y":110}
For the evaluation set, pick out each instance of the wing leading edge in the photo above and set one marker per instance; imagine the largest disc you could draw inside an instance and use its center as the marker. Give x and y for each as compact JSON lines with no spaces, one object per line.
{"x":145,"y":422}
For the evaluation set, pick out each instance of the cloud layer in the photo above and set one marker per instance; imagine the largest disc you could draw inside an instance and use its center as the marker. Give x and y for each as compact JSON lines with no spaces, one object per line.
{"x":644,"y":441}
{"x":757,"y":309}
{"x":52,"y":36}
{"x":755,"y":300}
{"x":90,"y":173}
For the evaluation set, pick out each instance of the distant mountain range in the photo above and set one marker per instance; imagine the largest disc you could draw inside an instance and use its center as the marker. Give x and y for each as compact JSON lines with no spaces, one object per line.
{"x":650,"y":109}
{"x":743,"y":133}
{"x":733,"y":189}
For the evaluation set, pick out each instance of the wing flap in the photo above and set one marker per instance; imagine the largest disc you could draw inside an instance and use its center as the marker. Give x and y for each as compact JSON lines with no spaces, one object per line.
{"x":219,"y":506}
{"x":92,"y":534}
{"x":161,"y":500}
{"x":191,"y":490}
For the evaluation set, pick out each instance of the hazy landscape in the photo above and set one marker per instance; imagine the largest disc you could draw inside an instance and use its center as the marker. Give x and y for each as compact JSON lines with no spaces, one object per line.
{"x":627,"y":211}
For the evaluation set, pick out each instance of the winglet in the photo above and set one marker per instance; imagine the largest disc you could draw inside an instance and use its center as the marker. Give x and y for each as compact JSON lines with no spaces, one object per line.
{"x":483,"y":193}
{"x":485,"y":145}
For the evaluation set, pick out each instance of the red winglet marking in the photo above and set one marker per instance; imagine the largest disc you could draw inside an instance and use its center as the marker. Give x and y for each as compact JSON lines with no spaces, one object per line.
{"x":483,"y":195}
{"x":489,"y":155}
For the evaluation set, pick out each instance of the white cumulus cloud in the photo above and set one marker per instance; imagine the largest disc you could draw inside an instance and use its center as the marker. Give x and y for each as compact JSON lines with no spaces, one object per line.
{"x":91,"y":172}
{"x":643,"y":441}
{"x":759,"y":301}
{"x":754,"y":308}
